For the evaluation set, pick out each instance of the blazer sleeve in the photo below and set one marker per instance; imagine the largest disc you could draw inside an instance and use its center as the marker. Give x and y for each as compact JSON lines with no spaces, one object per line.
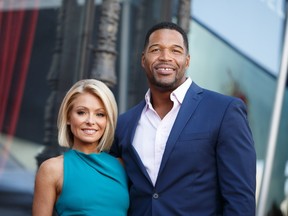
{"x":236,"y":161}
{"x":115,"y":149}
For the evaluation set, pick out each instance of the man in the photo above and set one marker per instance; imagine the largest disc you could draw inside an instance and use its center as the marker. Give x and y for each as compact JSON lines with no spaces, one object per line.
{"x":187,"y":150}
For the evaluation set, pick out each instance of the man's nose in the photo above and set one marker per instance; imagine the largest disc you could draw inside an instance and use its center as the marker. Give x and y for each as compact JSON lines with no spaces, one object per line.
{"x":165,"y":55}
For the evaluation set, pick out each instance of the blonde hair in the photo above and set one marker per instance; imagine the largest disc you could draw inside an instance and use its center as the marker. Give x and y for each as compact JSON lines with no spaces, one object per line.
{"x":100,"y":90}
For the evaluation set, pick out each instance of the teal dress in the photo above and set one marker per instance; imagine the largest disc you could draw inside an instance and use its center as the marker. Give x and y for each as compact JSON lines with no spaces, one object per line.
{"x":93,"y":184}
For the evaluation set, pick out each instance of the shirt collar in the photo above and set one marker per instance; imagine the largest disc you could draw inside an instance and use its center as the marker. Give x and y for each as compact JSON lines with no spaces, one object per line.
{"x":180,"y":92}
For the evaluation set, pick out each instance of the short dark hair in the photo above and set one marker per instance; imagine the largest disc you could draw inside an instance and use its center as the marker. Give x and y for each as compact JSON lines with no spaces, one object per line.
{"x":167,"y":25}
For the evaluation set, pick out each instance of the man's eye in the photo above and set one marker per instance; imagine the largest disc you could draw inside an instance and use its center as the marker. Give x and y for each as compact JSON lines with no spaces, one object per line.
{"x":176,"y":51}
{"x":155,"y":50}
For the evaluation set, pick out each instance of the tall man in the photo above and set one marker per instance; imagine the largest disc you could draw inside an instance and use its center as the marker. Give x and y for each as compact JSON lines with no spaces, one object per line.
{"x":187,"y":150}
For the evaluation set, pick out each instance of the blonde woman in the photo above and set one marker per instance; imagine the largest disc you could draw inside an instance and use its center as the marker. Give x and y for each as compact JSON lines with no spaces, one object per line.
{"x":85,"y":180}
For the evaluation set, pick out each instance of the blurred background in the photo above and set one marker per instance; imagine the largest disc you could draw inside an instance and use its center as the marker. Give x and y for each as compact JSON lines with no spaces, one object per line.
{"x":237,"y":47}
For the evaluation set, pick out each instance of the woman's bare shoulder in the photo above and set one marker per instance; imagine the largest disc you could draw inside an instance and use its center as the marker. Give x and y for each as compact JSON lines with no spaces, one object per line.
{"x":52,"y":167}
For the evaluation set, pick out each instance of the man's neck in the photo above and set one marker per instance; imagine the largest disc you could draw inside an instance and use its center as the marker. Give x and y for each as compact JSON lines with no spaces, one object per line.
{"x":161,"y":102}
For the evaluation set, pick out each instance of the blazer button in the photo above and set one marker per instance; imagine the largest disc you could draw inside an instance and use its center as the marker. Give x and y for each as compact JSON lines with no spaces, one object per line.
{"x":155,"y":195}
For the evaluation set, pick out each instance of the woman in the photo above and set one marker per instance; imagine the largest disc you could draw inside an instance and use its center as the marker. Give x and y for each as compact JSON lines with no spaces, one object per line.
{"x":85,"y":180}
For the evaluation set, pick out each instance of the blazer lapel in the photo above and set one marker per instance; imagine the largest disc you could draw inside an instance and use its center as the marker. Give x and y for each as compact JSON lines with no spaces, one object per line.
{"x":133,"y":125}
{"x":189,"y":105}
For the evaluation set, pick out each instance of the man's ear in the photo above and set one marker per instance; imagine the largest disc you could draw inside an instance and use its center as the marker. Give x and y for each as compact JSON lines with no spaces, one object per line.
{"x":187,"y":61}
{"x":142,"y":59}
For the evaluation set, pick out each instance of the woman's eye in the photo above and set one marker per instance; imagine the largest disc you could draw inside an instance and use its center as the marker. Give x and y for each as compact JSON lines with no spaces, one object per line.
{"x":100,"y":114}
{"x":80,"y":112}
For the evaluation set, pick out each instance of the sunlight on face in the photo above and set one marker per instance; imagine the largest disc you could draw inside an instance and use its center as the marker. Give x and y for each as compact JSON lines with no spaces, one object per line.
{"x":87,"y":120}
{"x":165,"y":59}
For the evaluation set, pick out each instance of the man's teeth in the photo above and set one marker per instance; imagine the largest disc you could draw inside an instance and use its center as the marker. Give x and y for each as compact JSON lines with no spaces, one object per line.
{"x":164,"y":68}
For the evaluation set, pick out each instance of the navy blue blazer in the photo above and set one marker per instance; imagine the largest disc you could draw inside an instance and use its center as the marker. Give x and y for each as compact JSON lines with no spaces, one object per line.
{"x":209,"y":163}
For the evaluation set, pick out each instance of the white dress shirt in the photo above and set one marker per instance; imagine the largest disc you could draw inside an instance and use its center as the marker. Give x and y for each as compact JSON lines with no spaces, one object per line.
{"x":152,"y":132}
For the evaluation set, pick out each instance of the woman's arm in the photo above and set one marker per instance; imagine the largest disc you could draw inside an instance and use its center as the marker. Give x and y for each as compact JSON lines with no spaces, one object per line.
{"x":48,"y":185}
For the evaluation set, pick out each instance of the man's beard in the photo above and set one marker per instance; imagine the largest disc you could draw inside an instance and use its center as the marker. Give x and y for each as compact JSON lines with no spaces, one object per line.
{"x":165,"y":86}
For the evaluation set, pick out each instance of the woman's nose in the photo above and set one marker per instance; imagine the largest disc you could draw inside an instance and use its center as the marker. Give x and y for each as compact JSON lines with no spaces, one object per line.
{"x":90,"y":120}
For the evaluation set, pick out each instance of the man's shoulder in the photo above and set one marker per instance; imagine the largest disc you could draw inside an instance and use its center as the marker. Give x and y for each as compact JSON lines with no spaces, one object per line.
{"x":134,"y":109}
{"x":132,"y":112}
{"x":215,"y":96}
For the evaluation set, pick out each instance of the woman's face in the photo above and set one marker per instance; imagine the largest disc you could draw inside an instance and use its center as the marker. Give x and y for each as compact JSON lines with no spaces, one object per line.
{"x":87,"y":120}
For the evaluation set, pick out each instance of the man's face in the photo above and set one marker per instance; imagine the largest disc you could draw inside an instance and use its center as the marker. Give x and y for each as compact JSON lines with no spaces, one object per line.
{"x":165,"y":59}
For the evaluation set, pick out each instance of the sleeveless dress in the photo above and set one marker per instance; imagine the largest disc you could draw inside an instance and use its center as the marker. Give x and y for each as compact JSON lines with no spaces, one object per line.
{"x":93,"y":184}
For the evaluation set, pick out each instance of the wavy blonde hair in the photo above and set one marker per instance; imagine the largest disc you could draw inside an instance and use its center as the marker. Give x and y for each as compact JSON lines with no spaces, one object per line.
{"x":100,"y":90}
